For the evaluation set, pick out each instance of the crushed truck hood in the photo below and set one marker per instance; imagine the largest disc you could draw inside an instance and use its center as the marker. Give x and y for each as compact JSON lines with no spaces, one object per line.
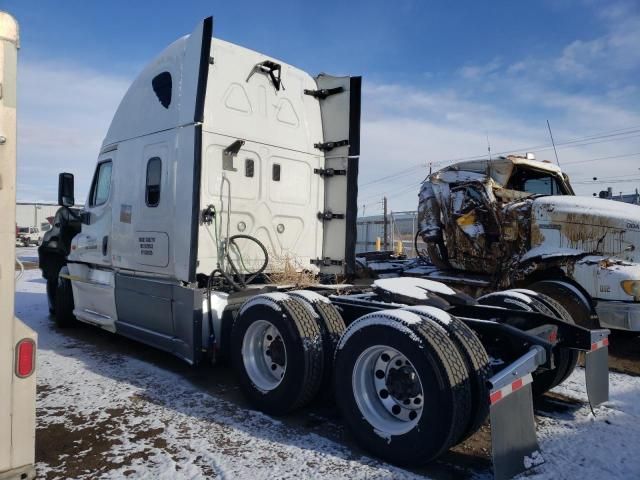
{"x":585,"y":225}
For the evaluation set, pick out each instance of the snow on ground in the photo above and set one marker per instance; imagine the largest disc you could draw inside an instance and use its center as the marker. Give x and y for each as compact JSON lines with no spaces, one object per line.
{"x":114,"y":415}
{"x":27,"y":254}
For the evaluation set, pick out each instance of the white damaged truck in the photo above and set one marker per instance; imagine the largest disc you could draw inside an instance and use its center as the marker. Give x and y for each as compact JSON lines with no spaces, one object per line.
{"x":224,"y":167}
{"x":514,"y":222}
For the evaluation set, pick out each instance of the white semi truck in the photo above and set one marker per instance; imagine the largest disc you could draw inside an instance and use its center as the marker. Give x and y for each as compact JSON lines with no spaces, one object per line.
{"x":17,"y":341}
{"x":221,"y":166}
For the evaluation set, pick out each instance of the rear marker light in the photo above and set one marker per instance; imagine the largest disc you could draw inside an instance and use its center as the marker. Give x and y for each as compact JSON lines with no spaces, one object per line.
{"x":25,"y":357}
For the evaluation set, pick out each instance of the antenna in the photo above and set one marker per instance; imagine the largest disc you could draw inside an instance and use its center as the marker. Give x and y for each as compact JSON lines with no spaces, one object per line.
{"x":488,"y":146}
{"x":553,"y":143}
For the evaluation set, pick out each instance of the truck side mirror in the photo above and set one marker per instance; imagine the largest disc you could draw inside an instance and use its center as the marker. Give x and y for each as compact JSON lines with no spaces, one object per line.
{"x":66,"y":196}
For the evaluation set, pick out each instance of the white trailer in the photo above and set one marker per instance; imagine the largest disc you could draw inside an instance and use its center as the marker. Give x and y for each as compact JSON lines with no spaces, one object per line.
{"x":223,"y":164}
{"x":17,"y":341}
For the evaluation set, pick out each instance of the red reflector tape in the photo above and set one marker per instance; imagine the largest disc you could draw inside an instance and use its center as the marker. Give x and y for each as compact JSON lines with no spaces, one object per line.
{"x":602,"y":343}
{"x":25,"y":357}
{"x":553,"y":336}
{"x":496,"y":395}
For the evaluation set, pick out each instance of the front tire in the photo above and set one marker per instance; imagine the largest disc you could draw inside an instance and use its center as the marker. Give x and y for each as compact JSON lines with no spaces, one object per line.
{"x":64,"y":304}
{"x":571,"y":299}
{"x":402,"y":387}
{"x":277,"y":354}
{"x":565,"y":358}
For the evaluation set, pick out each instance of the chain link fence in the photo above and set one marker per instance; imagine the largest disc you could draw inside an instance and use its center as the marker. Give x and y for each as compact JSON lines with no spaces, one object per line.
{"x":401,"y":227}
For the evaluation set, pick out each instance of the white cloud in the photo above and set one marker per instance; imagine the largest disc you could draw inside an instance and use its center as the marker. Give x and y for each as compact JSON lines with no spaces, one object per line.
{"x":63,"y":114}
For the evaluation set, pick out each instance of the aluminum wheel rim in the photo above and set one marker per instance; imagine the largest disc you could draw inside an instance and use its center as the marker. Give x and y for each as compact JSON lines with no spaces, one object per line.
{"x":376,"y":375}
{"x":264,"y":355}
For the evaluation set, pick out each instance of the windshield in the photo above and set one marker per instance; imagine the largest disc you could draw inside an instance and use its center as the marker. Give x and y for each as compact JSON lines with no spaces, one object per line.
{"x":537,"y":182}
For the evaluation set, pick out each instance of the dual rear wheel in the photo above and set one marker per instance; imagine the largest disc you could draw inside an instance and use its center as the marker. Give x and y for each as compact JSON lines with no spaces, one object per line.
{"x":282,"y":349}
{"x":409,"y":384}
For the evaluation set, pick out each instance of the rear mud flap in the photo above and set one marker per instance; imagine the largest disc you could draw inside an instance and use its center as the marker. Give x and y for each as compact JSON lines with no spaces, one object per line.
{"x":514,"y":445}
{"x":596,"y":366}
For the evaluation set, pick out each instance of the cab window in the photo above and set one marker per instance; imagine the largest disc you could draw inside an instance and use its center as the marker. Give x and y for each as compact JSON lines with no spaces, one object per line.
{"x":101,"y":185}
{"x":542,"y":186}
{"x":535,"y":182}
{"x":154,"y":177}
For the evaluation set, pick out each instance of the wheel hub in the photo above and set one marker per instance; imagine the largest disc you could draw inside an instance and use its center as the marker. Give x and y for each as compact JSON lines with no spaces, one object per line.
{"x":388,"y":390}
{"x":402,"y":383}
{"x":264,"y":355}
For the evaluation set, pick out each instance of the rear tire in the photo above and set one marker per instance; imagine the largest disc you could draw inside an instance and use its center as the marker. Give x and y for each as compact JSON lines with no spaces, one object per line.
{"x":419,"y":405}
{"x":64,"y":304}
{"x":476,"y":359}
{"x":276,"y":352}
{"x":331,"y":327}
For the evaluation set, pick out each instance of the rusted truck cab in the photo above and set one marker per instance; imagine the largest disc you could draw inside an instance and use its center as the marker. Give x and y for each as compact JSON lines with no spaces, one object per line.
{"x":517,"y":222}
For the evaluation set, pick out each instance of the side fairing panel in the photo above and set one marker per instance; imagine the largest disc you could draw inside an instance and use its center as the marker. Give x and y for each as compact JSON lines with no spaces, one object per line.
{"x":341,"y":126}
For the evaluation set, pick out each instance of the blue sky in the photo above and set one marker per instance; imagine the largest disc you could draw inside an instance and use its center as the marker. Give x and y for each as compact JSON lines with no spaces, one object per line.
{"x":438,"y":79}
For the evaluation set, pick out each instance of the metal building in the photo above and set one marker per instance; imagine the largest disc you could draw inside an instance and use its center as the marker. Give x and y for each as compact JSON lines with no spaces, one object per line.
{"x":35,"y":214}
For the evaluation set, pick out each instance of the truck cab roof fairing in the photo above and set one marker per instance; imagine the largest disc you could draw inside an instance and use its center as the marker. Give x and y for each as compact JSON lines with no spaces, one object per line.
{"x":146,"y":109}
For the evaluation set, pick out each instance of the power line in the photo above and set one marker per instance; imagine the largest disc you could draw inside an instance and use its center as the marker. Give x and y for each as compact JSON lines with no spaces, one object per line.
{"x":607,"y":136}
{"x":404,"y":188}
{"x":600,"y":182}
{"x":602,"y":158}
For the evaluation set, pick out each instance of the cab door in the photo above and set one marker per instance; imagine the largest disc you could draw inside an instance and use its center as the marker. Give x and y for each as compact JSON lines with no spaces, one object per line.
{"x":339,"y":99}
{"x":90,"y":259}
{"x":93,"y":244}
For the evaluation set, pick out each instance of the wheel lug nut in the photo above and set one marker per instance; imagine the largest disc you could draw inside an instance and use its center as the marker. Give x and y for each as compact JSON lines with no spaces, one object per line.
{"x":384,"y":357}
{"x":269,"y":337}
{"x":396,"y":409}
{"x":379,"y":374}
{"x":417,"y":401}
{"x":412,"y":415}
{"x":268,"y":353}
{"x":407,"y":401}
{"x":398,"y":363}
{"x":273,"y":366}
{"x":383,"y":393}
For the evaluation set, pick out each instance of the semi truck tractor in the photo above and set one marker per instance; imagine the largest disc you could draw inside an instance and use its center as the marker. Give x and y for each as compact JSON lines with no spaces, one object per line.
{"x":222,"y":166}
{"x":17,"y":341}
{"x":514,"y":222}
